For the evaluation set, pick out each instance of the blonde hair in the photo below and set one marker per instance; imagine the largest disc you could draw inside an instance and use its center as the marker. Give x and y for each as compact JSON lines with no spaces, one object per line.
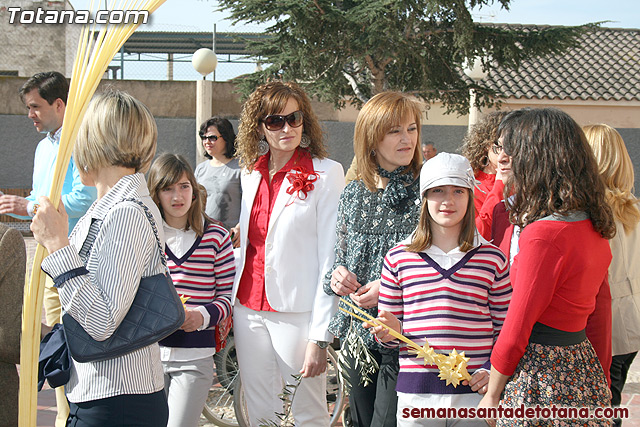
{"x":423,"y":236}
{"x":166,"y":171}
{"x":117,"y":130}
{"x":616,"y":169}
{"x":271,"y":98}
{"x":381,"y":113}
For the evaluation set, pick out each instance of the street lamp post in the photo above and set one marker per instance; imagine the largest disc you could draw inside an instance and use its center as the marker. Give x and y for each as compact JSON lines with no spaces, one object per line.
{"x":475,"y":72}
{"x":204,"y":61}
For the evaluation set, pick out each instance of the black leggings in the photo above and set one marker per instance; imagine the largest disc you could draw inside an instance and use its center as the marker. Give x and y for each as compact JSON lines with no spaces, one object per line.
{"x":374,"y":405}
{"x":619,"y":369}
{"x":139,"y":410}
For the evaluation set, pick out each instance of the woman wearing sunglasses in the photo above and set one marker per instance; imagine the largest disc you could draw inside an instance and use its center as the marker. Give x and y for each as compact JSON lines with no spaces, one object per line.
{"x":288,"y":214}
{"x":220,"y":174}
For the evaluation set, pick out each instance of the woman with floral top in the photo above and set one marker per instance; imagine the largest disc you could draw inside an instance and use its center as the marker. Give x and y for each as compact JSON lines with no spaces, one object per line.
{"x":377,"y":210}
{"x":289,"y":203}
{"x":554,"y":348}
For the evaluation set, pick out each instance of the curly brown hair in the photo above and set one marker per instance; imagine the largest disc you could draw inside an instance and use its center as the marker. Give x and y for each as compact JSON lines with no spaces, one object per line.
{"x":271,"y":98}
{"x":477,"y":142}
{"x":553,"y":169}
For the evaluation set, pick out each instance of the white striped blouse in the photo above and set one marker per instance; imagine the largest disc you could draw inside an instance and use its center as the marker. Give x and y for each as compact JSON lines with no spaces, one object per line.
{"x":125,"y":250}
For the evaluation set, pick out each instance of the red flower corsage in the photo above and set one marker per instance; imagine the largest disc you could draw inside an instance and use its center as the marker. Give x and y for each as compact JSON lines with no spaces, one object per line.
{"x":301,"y":182}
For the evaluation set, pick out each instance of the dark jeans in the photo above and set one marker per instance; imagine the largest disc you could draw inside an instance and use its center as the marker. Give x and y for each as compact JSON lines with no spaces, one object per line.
{"x":374,"y":405}
{"x":139,"y":410}
{"x":619,"y":369}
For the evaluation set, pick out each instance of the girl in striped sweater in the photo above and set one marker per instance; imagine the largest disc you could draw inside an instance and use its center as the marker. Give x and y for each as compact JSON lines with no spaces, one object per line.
{"x":447,"y":285}
{"x":201,"y":262}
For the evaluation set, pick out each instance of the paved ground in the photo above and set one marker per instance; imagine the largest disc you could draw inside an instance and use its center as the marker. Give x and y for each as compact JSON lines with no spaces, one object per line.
{"x":630,"y":397}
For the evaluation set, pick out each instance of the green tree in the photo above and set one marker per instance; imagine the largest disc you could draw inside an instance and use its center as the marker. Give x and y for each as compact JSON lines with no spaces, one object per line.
{"x":349,"y":50}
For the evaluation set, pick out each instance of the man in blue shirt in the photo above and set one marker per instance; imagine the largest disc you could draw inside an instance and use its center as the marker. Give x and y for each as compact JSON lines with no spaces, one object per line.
{"x":45,"y":96}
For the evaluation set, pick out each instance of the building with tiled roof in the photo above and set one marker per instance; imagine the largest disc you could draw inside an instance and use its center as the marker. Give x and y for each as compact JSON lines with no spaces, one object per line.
{"x":605,"y":67}
{"x":595,"y":82}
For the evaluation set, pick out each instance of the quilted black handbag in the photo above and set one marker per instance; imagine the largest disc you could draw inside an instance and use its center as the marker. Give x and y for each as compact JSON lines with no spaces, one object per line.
{"x":156,"y":312}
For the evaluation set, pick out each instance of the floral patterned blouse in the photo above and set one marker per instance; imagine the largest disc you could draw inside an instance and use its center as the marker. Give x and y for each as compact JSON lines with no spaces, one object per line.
{"x":368,"y":226}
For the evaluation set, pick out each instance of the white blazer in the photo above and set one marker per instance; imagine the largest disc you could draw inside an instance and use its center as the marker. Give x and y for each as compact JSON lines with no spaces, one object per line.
{"x":299,"y":245}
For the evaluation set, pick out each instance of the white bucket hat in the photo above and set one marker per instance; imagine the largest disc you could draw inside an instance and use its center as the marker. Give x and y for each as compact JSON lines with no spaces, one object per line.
{"x":446,"y":169}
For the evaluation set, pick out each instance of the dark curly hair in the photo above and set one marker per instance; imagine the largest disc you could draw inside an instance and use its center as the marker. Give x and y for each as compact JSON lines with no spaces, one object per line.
{"x":478,"y":140}
{"x":554,"y":170}
{"x":271,"y":98}
{"x":225,"y":128}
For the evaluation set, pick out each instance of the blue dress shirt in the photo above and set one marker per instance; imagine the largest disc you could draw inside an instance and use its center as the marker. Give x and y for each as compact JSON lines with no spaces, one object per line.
{"x":76,"y":197}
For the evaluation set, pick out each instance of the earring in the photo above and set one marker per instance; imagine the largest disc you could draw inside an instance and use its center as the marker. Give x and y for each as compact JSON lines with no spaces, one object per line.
{"x":263,"y":146}
{"x":373,"y":153}
{"x":305,"y":141}
{"x":484,"y":161}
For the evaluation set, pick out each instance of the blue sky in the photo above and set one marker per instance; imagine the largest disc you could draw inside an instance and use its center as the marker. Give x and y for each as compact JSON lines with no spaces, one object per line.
{"x":201,"y":15}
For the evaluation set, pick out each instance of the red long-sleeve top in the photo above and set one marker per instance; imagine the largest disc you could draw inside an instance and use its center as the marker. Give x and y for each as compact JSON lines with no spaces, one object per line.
{"x":482,"y":189}
{"x":251,"y":289}
{"x":559,"y":279}
{"x":484,"y":216}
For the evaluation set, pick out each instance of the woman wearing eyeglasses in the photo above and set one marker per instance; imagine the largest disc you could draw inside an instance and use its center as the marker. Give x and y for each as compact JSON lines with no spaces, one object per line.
{"x":479,"y":147}
{"x":289,"y":210}
{"x":220,"y":173}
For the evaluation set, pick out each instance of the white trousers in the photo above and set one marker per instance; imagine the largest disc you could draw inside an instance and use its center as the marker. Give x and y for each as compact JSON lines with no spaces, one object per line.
{"x":187,"y":386}
{"x":271,"y":347}
{"x":408,"y":401}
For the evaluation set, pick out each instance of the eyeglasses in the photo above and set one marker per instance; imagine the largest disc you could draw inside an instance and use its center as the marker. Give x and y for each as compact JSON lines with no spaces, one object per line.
{"x":212,"y":138}
{"x":276,"y":122}
{"x":497,"y":149}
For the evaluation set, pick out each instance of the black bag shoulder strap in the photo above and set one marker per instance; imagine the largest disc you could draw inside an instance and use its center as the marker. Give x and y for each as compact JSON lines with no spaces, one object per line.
{"x":96,"y":224}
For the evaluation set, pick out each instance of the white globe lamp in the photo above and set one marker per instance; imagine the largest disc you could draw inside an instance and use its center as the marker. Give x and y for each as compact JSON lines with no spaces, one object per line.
{"x":475,"y":72}
{"x":204,"y":61}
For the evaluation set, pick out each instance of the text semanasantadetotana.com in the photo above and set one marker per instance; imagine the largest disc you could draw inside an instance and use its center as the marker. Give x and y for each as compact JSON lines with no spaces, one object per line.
{"x":530,"y":412}
{"x":39,"y":15}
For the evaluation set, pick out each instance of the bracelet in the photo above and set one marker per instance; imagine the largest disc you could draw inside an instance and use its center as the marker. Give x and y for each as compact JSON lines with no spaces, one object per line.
{"x":32,"y":208}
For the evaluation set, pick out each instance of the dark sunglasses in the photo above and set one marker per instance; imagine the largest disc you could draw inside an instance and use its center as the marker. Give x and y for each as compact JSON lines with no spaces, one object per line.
{"x":276,"y":121}
{"x":212,"y":138}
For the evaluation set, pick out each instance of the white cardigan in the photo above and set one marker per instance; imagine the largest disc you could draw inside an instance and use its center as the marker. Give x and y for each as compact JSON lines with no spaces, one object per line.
{"x":299,"y":245}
